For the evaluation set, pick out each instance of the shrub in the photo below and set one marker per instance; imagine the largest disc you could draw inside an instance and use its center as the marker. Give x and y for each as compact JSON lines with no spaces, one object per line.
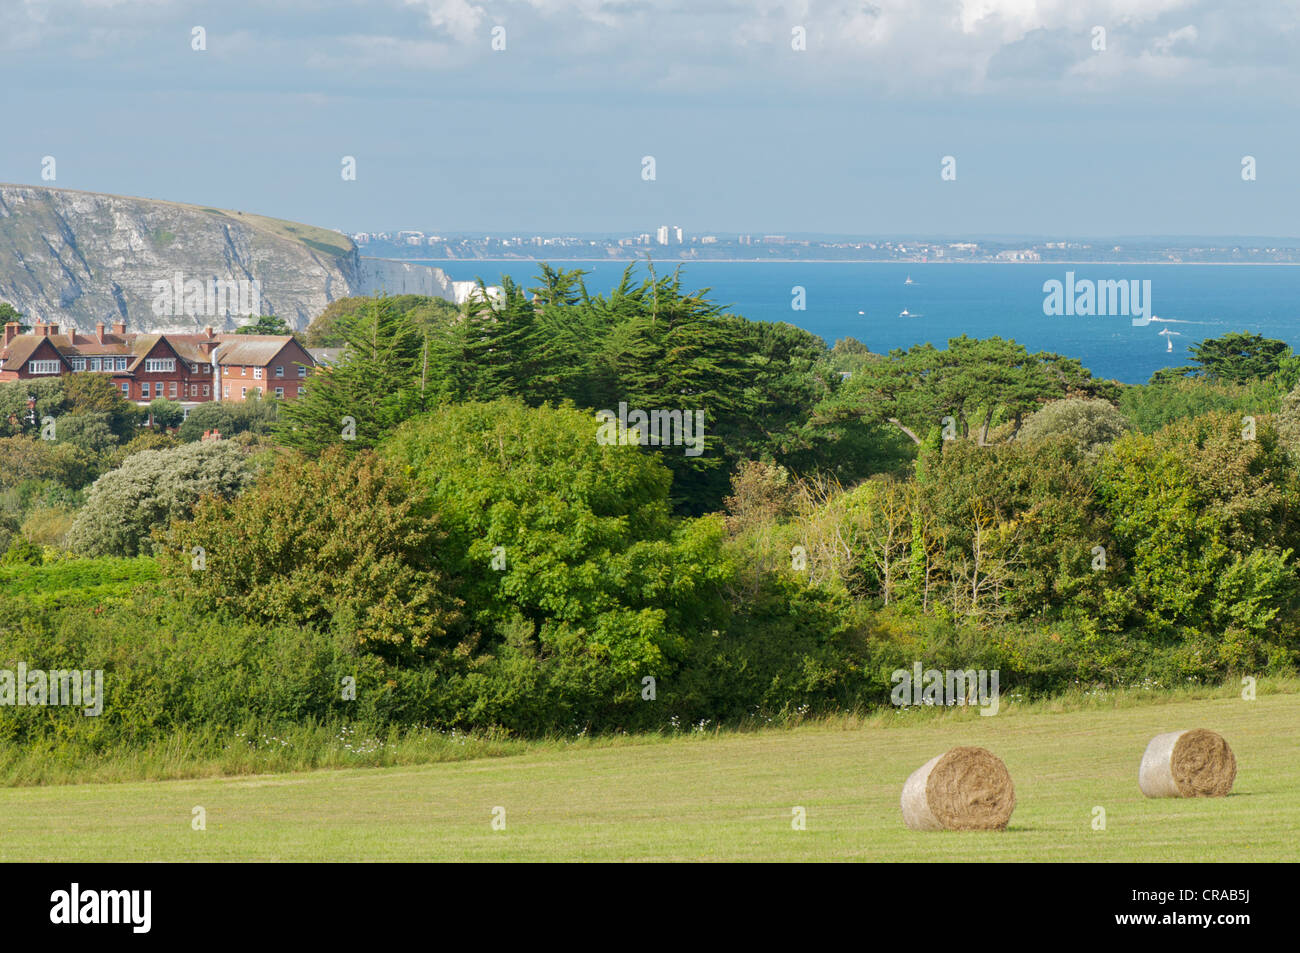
{"x":315,"y":541}
{"x":149,"y":490}
{"x":230,"y":418}
{"x":1087,"y":424}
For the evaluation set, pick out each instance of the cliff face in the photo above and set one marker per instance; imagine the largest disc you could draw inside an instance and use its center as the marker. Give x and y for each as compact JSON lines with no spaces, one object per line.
{"x":73,"y":257}
{"x":403,"y":278}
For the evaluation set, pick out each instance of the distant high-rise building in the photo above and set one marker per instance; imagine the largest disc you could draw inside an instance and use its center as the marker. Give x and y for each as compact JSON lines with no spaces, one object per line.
{"x":677,"y":232}
{"x":661,"y":235}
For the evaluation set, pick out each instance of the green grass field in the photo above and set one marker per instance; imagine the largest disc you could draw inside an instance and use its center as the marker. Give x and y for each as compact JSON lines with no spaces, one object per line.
{"x":712,"y":797}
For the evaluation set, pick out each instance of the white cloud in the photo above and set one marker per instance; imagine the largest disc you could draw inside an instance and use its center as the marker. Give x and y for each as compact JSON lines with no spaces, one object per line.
{"x":458,"y":18}
{"x":902,"y":49}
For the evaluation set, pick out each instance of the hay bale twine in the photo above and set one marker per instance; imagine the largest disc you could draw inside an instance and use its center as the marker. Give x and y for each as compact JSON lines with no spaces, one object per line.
{"x":966,"y":789}
{"x":1196,"y":763}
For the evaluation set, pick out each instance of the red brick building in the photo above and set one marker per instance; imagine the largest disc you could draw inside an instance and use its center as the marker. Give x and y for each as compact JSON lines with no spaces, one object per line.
{"x":187,"y":368}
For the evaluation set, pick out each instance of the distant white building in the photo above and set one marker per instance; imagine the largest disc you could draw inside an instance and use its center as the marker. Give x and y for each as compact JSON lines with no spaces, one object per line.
{"x":464,"y":290}
{"x":661,"y":235}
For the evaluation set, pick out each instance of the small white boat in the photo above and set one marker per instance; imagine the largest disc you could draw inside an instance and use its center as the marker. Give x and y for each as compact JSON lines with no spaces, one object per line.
{"x":862,"y":312}
{"x":907,"y":314}
{"x":908,"y":280}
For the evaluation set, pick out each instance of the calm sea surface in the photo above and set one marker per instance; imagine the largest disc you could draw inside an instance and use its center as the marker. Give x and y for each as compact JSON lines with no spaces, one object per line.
{"x":981,"y":300}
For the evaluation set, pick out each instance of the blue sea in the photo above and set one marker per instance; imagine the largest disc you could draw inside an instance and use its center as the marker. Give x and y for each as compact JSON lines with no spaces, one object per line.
{"x":864,"y":300}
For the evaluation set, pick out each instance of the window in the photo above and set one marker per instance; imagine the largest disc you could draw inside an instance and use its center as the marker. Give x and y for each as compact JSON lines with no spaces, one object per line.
{"x":126,"y":391}
{"x":257,"y":373}
{"x":225,"y":371}
{"x":173,"y":390}
{"x":194,"y":368}
{"x":206,"y":391}
{"x":160,"y":365}
{"x":279,"y":370}
{"x":301,"y":390}
{"x":243,"y":392}
{"x":144,"y":389}
{"x":96,"y":364}
{"x":43,"y":367}
{"x":227,"y":391}
{"x":121,"y":363}
{"x":243,"y":370}
{"x":302,"y":370}
{"x":279,"y":392}
{"x":78,"y":363}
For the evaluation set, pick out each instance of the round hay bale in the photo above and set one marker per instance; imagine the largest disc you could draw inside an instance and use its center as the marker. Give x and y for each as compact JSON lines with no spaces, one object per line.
{"x":1196,"y":763}
{"x":966,"y":789}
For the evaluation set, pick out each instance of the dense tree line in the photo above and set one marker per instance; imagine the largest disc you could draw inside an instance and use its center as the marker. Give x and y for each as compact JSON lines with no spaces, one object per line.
{"x":439,"y":519}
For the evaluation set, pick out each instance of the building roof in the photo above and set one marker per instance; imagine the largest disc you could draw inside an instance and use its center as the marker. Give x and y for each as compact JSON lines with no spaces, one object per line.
{"x":20,"y":349}
{"x":192,"y":348}
{"x":257,"y":350}
{"x":325,"y":355}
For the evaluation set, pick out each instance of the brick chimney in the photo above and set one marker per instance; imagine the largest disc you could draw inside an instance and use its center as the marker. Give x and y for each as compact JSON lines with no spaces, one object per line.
{"x":11,"y":331}
{"x":99,"y":332}
{"x":209,"y":333}
{"x":119,"y":327}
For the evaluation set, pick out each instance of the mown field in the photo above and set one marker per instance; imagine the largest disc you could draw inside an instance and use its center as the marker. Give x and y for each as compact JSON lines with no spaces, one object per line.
{"x":711,"y":797}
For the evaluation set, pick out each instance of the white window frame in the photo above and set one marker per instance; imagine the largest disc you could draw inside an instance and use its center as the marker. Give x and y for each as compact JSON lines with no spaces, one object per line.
{"x":257,"y":373}
{"x":160,"y":365}
{"x":302,"y":370}
{"x":78,"y":363}
{"x":42,"y":367}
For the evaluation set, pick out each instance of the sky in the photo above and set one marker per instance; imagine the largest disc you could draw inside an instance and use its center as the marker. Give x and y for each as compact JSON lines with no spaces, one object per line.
{"x":1062,"y":118}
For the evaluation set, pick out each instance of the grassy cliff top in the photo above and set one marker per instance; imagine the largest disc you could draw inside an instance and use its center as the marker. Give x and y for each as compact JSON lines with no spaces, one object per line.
{"x":323,"y":240}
